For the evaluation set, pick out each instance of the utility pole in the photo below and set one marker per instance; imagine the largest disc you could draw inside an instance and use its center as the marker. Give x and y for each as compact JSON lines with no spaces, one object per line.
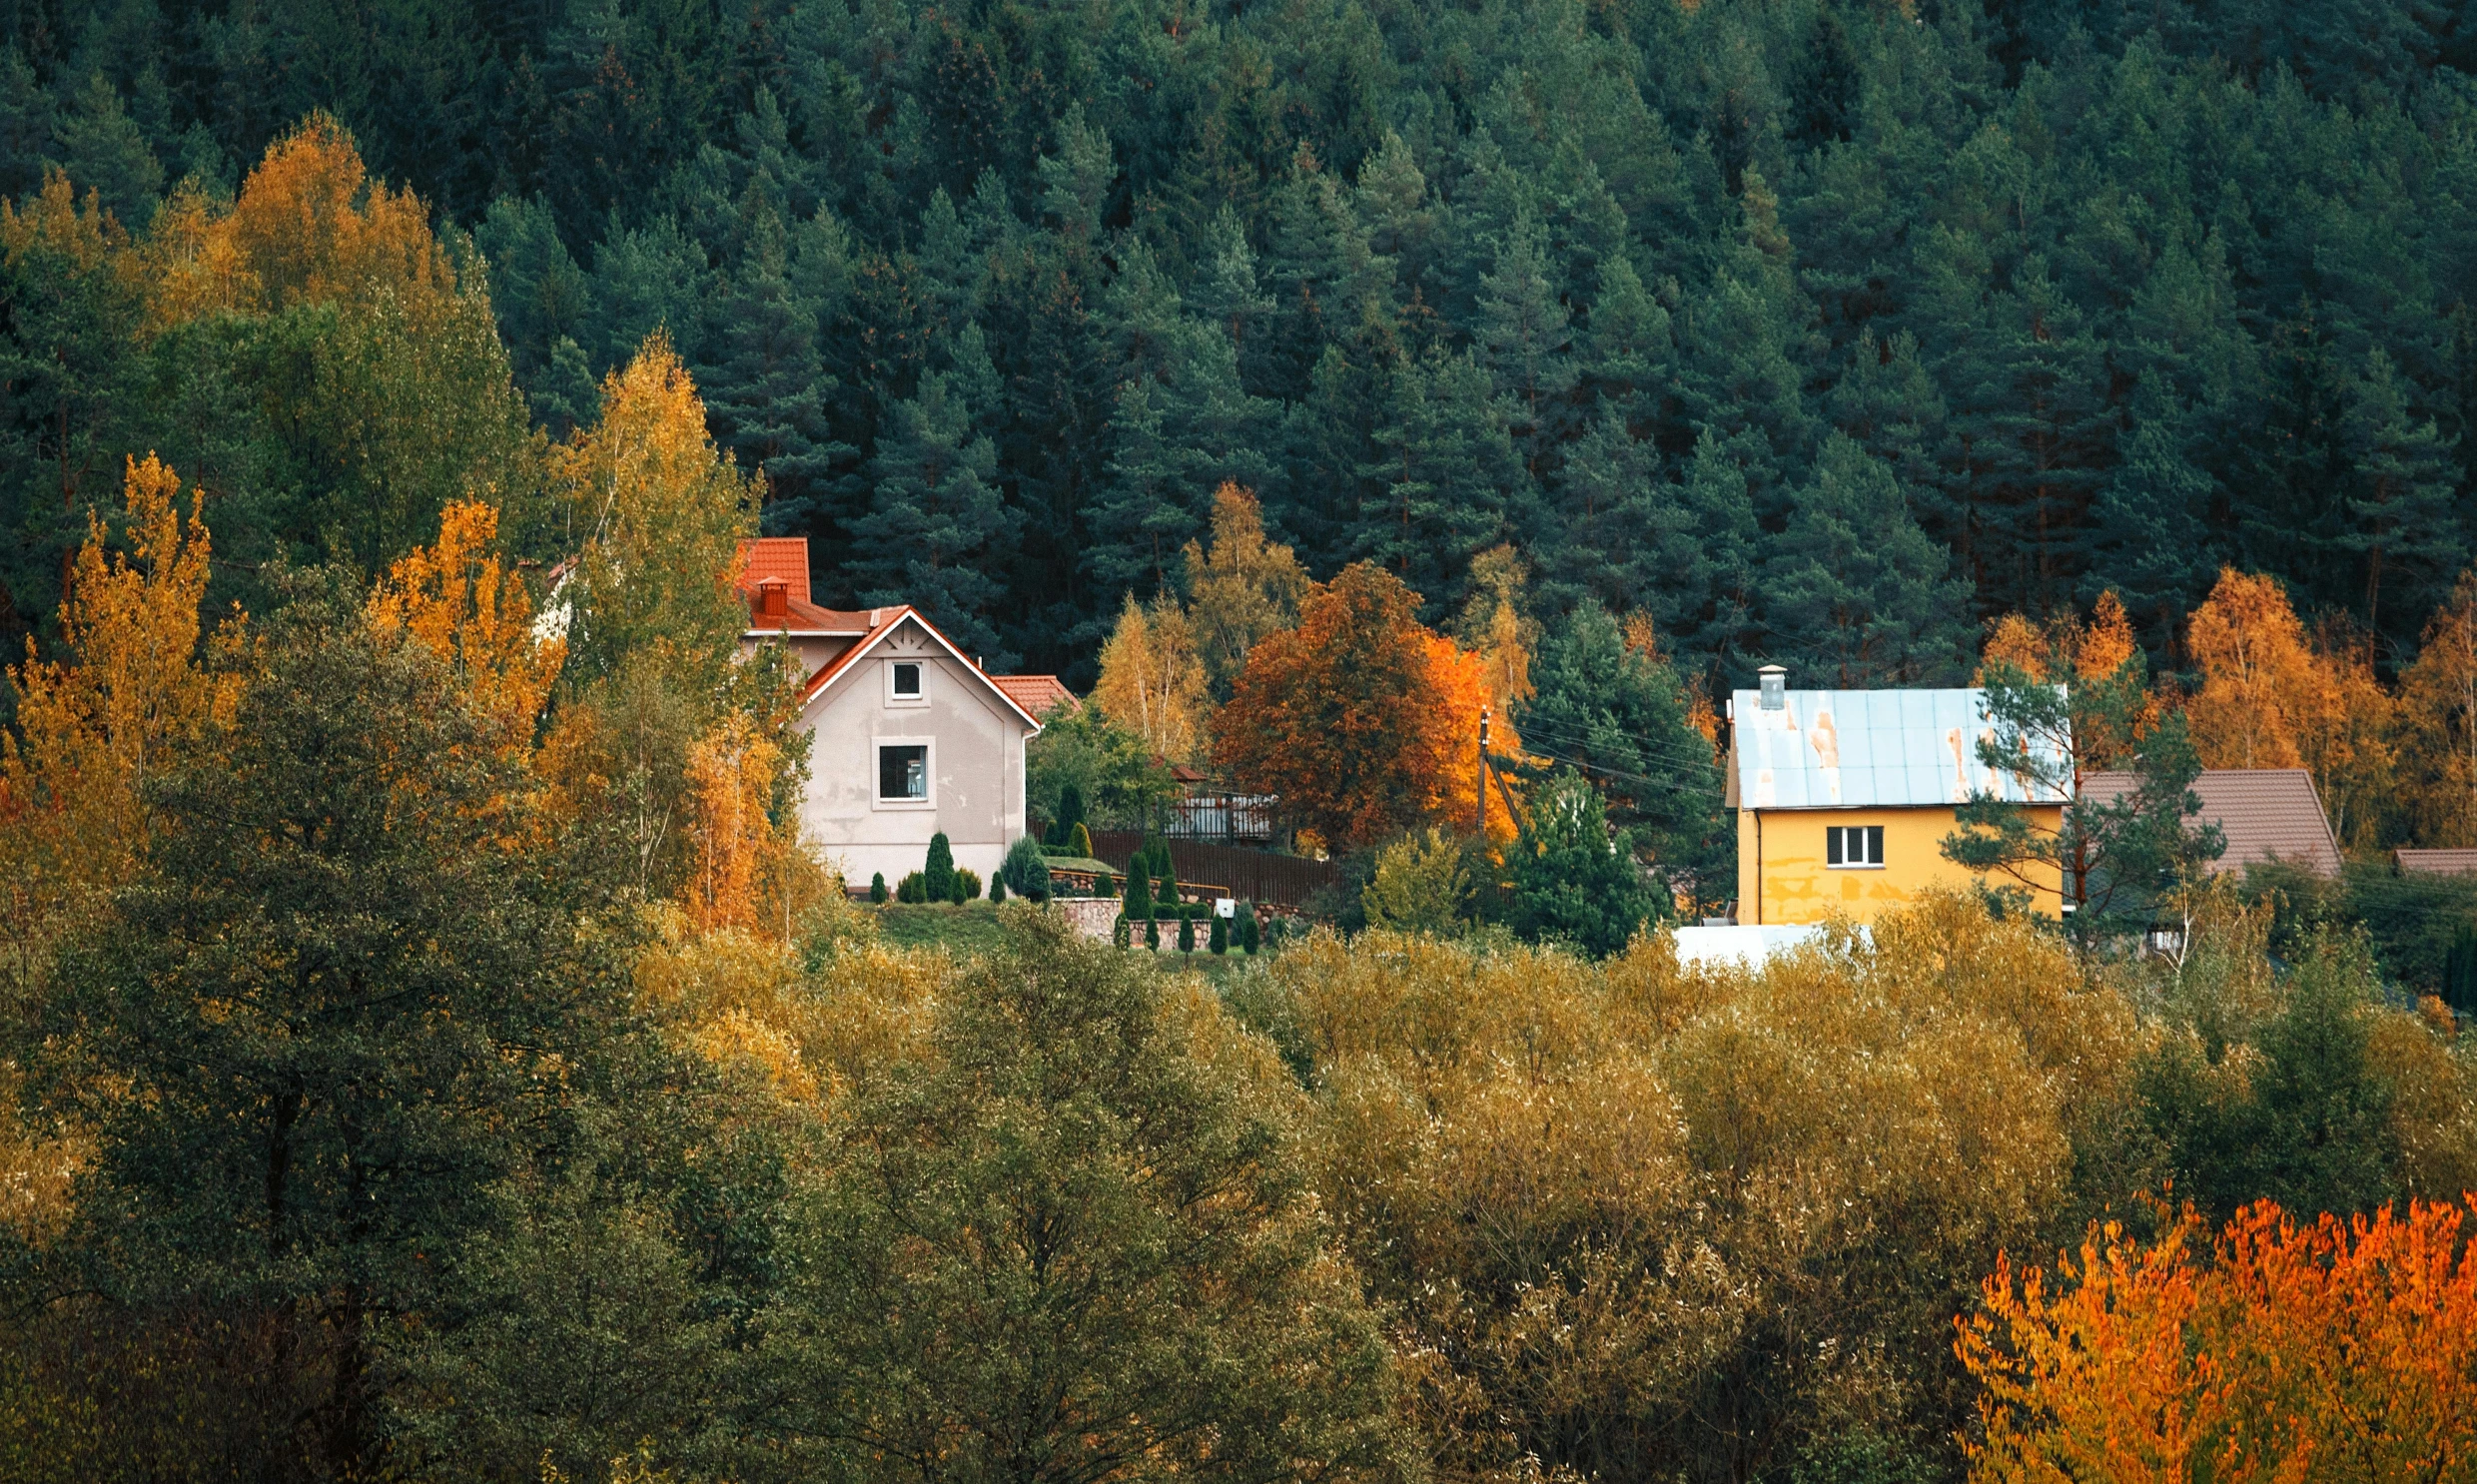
{"x":1479,"y":792}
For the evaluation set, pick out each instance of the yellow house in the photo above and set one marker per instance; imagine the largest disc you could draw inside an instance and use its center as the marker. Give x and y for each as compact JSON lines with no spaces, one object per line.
{"x":1844,"y":797}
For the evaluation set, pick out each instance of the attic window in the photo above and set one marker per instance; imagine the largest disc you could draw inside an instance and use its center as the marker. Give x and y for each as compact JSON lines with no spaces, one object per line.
{"x":1854,"y":847}
{"x":907,"y":683}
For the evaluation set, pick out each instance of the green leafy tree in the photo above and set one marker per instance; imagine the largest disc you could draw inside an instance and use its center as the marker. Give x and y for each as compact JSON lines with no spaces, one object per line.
{"x":1421,"y":885}
{"x":2310,"y":1123}
{"x":1574,"y":881}
{"x":2124,"y":839}
{"x":1617,"y":712}
{"x":1072,"y":1238}
{"x":351,"y":998}
{"x":1115,"y":776}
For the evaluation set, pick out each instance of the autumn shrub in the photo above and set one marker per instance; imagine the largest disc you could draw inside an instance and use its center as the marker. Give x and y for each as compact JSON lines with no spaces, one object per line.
{"x":2338,"y":1348}
{"x":1421,"y":885}
{"x":1638,"y":1217}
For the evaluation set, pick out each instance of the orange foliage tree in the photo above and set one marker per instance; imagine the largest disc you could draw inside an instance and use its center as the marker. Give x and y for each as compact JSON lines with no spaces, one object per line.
{"x":412,"y":392}
{"x":1361,"y":719}
{"x":92,"y":727}
{"x":731,"y":775}
{"x":458,"y":601}
{"x":2271,"y":697}
{"x":2343,"y":1349}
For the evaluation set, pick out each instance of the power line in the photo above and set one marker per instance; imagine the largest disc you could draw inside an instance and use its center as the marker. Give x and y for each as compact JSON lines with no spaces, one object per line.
{"x":1646,"y":750}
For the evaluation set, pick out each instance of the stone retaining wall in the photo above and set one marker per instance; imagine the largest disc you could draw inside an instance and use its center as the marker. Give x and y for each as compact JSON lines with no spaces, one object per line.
{"x":1092,"y":917}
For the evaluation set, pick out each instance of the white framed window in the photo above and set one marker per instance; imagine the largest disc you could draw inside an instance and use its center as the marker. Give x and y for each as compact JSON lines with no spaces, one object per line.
{"x":906,"y":775}
{"x":1854,"y":847}
{"x":907,"y":683}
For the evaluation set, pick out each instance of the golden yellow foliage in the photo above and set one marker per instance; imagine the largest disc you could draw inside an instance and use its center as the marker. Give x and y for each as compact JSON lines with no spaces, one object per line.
{"x":2262,"y":691}
{"x":1595,"y":1191}
{"x":54,"y":219}
{"x":731,"y":774}
{"x":133,"y":693}
{"x":458,"y":602}
{"x":1493,"y":625}
{"x":128,"y":699}
{"x":1242,"y":588}
{"x":2439,"y":709}
{"x":308,"y":227}
{"x":1152,"y":682}
{"x":2271,"y":697}
{"x":658,"y":513}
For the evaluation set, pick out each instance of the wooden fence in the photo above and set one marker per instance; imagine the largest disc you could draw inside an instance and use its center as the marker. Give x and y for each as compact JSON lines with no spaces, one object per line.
{"x":1252,"y":874}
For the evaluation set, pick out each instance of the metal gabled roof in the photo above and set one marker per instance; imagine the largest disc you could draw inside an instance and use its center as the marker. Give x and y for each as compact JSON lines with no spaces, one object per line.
{"x":1861,"y":749}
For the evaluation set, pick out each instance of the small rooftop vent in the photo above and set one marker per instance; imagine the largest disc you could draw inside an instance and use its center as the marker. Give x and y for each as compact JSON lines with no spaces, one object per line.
{"x":772,"y":595}
{"x":1774,"y":682}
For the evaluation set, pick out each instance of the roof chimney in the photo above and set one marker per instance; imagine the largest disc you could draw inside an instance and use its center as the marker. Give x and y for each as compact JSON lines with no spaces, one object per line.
{"x":1773,"y":682}
{"x":773,"y":596}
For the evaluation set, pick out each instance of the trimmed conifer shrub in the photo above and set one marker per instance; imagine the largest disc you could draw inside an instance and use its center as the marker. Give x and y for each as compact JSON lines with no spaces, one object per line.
{"x":1080,"y":841}
{"x":996,"y":887}
{"x":1220,"y":933}
{"x":912,"y":888}
{"x":938,"y":876}
{"x":1249,"y":934}
{"x":1138,"y":897}
{"x":1026,"y":872}
{"x":877,"y":887}
{"x":967,"y":886}
{"x":1187,"y":934}
{"x":1151,"y":934}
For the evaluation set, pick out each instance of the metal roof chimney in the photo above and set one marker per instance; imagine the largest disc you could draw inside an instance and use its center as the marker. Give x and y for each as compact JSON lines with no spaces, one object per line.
{"x":1773,"y":681}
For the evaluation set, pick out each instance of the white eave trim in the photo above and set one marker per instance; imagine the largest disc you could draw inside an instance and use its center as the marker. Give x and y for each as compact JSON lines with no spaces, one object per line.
{"x":845,"y":663}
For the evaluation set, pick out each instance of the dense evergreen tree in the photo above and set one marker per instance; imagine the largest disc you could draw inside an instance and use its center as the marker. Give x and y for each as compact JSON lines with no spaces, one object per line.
{"x":1854,"y":594}
{"x":2115,"y":295}
{"x":934,"y":524}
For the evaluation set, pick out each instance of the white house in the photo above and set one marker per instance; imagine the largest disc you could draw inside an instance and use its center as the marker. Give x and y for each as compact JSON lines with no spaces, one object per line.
{"x":910,"y":737}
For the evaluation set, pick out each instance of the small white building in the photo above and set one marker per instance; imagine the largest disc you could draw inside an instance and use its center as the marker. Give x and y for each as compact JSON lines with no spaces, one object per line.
{"x":909,"y":736}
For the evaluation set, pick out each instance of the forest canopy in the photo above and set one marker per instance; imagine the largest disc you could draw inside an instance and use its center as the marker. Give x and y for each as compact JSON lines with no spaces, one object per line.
{"x":1816,"y":331}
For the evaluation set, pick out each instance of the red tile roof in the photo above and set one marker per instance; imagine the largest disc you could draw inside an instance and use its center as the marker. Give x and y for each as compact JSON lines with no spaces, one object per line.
{"x":2264,"y":813}
{"x":2437,"y":862}
{"x":776,"y":556}
{"x":1037,"y":694}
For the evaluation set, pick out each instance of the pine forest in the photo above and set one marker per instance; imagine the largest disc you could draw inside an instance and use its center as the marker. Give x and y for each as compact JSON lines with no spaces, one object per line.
{"x":436,"y":1043}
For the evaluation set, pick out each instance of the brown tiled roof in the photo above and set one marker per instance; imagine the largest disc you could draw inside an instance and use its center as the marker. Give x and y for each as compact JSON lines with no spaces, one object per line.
{"x":2264,"y":813}
{"x":1037,"y":694}
{"x":2437,"y":862}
